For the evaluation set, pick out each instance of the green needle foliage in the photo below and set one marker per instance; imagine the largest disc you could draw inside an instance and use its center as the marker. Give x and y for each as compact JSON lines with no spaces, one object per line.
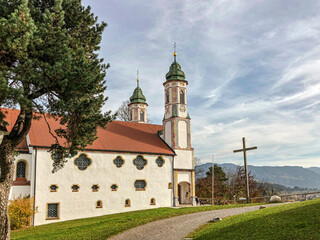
{"x":49,"y":64}
{"x":49,"y":67}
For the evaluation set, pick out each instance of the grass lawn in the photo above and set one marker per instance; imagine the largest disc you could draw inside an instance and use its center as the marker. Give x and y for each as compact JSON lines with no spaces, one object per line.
{"x":108,"y":225}
{"x":293,"y":221}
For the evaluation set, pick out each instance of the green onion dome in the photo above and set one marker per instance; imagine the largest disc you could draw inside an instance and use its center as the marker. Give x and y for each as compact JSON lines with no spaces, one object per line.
{"x":175,"y":72}
{"x":137,"y":96}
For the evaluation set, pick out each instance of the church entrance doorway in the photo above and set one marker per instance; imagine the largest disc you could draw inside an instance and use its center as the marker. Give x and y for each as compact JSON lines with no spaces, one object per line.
{"x":184,"y":193}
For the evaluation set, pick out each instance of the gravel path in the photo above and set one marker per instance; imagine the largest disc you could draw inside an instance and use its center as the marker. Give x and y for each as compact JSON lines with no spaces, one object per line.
{"x":179,"y":227}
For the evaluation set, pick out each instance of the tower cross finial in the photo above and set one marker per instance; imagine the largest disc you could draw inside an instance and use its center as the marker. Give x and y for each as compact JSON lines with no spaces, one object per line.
{"x":175,"y":50}
{"x":137,"y":77}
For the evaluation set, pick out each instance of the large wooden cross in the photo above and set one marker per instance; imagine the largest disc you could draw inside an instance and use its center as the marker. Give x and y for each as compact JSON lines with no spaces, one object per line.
{"x":244,"y":150}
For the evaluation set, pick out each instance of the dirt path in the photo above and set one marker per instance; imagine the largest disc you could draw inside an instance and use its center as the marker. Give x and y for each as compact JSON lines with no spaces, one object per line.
{"x":179,"y":227}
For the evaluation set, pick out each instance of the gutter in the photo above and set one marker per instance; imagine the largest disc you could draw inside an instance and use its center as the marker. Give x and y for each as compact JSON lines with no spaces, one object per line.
{"x":34,"y":184}
{"x":174,"y":184}
{"x":114,"y":151}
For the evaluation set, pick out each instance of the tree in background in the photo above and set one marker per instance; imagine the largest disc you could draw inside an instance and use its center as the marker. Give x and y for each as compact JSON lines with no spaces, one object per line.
{"x":204,"y":185}
{"x":49,"y":64}
{"x":237,"y":184}
{"x":198,"y":170}
{"x":227,"y":185}
{"x":123,"y":113}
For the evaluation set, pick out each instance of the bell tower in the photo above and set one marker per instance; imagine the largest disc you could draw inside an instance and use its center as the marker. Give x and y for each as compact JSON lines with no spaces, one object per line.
{"x":138,"y":106}
{"x":176,"y":120}
{"x":177,"y":134}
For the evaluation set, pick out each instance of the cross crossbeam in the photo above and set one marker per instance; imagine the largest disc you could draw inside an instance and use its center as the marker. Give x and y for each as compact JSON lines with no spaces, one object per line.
{"x":247,"y":149}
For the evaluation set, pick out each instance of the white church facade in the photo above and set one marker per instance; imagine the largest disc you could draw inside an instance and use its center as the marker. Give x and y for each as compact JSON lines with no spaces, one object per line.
{"x":131,"y":166}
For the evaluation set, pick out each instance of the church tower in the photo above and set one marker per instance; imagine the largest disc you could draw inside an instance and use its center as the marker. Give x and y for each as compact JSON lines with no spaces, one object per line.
{"x":138,"y":106}
{"x":177,"y":133}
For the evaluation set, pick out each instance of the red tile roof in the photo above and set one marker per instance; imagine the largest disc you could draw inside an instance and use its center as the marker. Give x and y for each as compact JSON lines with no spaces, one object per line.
{"x":117,"y":137}
{"x":11,"y":116}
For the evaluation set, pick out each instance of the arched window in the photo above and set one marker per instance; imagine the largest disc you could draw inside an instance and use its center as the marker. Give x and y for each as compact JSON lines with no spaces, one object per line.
{"x":153,"y":201}
{"x":141,"y":115}
{"x":99,"y":204}
{"x":21,"y":169}
{"x":127,"y":203}
{"x":167,"y":96}
{"x":182,"y":97}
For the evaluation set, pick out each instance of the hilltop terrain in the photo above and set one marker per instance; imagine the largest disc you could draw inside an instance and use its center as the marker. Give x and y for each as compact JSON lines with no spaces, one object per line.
{"x":289,"y":176}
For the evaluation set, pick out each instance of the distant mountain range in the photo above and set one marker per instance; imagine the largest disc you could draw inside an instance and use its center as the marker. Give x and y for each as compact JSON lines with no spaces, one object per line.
{"x":289,"y":176}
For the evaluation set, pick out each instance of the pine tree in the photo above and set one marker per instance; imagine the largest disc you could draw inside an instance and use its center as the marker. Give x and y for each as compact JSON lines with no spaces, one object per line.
{"x":49,"y":64}
{"x":204,"y":185}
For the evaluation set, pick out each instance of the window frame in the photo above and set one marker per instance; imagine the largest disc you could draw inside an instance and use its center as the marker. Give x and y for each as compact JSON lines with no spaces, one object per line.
{"x":121,"y":159}
{"x":182,"y":98}
{"x":140,"y":189}
{"x":143,"y":159}
{"x":101,"y":202}
{"x":167,"y":96}
{"x":74,"y":161}
{"x":95,"y":190}
{"x":25,"y":170}
{"x":73,"y":189}
{"x":53,"y":185}
{"x":142,"y":115}
{"x":153,"y":202}
{"x":58,"y":211}
{"x":162,"y":160}
{"x":114,"y":190}
{"x":129,"y":202}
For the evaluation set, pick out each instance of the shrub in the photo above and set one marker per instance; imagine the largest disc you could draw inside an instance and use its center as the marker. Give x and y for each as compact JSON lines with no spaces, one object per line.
{"x":20,"y":212}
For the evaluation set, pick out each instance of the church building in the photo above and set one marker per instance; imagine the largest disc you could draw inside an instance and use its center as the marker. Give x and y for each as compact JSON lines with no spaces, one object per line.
{"x":131,"y":166}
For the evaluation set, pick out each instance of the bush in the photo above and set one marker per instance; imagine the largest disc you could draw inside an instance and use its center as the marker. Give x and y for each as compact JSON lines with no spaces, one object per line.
{"x":20,"y":212}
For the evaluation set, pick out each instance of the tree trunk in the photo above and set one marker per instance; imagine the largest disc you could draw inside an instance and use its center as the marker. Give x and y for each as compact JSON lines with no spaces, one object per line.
{"x":6,"y":176}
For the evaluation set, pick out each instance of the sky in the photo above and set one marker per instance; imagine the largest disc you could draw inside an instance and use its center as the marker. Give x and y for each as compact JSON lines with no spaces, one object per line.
{"x":253,"y":68}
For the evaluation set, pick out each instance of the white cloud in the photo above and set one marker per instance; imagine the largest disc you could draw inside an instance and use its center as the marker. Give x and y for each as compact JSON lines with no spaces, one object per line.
{"x":252,"y":66}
